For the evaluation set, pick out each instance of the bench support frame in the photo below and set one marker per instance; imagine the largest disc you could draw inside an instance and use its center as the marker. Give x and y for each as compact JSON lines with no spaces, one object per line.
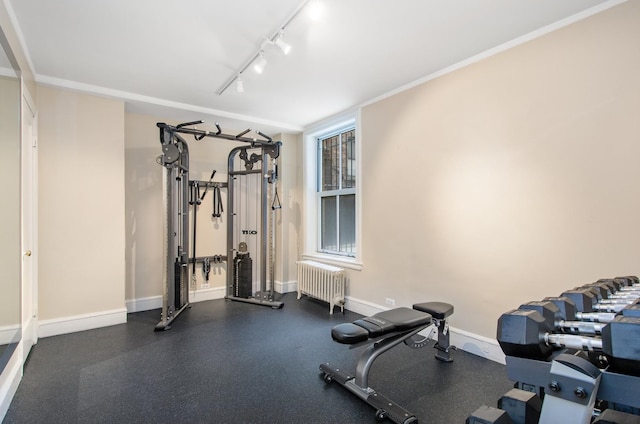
{"x":359,"y":384}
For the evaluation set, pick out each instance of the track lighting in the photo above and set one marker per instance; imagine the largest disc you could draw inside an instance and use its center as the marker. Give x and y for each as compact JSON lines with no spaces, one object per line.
{"x":239,"y":84}
{"x":260,"y":64}
{"x":257,"y":59}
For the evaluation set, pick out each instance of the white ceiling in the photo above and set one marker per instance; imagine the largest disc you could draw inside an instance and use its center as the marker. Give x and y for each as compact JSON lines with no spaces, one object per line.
{"x":170,"y":57}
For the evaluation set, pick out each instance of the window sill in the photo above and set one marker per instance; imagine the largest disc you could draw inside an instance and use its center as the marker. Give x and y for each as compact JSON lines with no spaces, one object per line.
{"x":341,"y":261}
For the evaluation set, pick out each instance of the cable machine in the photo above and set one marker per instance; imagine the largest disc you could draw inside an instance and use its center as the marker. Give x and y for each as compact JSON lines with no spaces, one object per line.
{"x":250,"y":224}
{"x":251,"y":187}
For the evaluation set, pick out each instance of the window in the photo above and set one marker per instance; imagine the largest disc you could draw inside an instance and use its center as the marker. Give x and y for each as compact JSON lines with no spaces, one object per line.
{"x":332,"y":180}
{"x":336,"y":190}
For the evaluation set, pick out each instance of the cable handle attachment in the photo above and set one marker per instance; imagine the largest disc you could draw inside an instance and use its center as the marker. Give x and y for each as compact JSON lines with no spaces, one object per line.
{"x":276,"y":201}
{"x":206,"y":187}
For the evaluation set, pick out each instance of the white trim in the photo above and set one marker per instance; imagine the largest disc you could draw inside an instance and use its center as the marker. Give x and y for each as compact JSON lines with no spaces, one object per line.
{"x":133,"y":97}
{"x":155,"y":302}
{"x":335,"y":260}
{"x":9,"y":333}
{"x":72,"y":324}
{"x":332,"y":123}
{"x":461,"y":339}
{"x":8,"y":72}
{"x":478,"y":345}
{"x":18,"y":31}
{"x":29,"y":231}
{"x":143,"y":304}
{"x":9,"y":380}
{"x":207,"y":294}
{"x":310,"y":198}
{"x":362,"y":307}
{"x":288,"y":287}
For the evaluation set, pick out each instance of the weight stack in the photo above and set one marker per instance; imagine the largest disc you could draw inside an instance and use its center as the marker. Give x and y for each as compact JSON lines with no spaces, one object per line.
{"x":242,"y":271}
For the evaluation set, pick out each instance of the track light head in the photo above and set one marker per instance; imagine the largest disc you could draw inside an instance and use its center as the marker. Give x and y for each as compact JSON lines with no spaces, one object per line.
{"x":239,"y":84}
{"x":260,"y":64}
{"x":284,"y":46}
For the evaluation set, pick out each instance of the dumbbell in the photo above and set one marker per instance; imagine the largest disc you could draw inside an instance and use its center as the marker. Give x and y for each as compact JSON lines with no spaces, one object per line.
{"x":622,"y":284}
{"x":629,"y":280}
{"x":570,"y":312}
{"x":586,"y":301}
{"x":607,"y":293}
{"x":563,"y":318}
{"x":526,"y":333}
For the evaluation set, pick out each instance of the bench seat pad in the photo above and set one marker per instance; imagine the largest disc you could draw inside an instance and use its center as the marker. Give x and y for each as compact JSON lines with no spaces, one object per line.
{"x":399,"y":319}
{"x":439,"y":310}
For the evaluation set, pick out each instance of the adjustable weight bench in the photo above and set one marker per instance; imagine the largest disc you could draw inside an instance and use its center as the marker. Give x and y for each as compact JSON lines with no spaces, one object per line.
{"x":382,"y":332}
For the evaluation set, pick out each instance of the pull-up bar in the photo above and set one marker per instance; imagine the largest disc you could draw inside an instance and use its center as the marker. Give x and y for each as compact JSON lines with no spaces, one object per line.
{"x":200,"y":134}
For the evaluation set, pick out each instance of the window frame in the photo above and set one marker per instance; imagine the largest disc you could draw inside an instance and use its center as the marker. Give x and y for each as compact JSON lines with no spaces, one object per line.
{"x":335,"y":193}
{"x":311,"y":215}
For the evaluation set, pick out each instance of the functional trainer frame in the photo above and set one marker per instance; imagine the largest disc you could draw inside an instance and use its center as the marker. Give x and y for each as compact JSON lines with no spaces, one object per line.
{"x":176,"y":186}
{"x":253,"y":164}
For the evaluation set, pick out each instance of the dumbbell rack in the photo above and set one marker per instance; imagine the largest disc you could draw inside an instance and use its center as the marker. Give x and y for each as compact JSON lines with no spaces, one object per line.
{"x":573,"y":367}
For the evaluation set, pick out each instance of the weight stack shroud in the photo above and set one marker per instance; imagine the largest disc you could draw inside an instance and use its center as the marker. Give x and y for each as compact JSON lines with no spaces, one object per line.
{"x":243,"y":278}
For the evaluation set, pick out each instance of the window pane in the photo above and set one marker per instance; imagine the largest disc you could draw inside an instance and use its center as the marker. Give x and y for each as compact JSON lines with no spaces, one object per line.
{"x":348,"y":224}
{"x":328,"y":237}
{"x":348,"y":159}
{"x":330,"y":151}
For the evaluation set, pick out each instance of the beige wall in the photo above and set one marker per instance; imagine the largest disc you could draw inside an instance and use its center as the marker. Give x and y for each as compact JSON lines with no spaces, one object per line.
{"x":145,"y":214}
{"x":509,"y":180}
{"x":81,"y":203}
{"x":144,"y":210}
{"x":290,"y":216}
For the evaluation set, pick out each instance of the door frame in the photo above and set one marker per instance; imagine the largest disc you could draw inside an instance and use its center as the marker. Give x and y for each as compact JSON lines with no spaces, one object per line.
{"x":29,"y":221}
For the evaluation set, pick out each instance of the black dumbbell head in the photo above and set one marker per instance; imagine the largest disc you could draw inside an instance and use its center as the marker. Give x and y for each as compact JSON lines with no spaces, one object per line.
{"x":617,"y":283}
{"x":607,"y":288}
{"x":584,"y":299}
{"x":628,"y":280}
{"x":565,"y":306}
{"x":601,"y":292}
{"x":621,"y":344}
{"x":521,"y":333}
{"x":522,"y":406}
{"x":549,"y":311}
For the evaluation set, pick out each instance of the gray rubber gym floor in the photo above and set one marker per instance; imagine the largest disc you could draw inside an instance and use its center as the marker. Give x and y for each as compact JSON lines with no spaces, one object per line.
{"x":233,"y":362}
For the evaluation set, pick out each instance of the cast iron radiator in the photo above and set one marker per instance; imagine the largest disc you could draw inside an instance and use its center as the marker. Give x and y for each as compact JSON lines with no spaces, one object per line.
{"x":323,"y":282}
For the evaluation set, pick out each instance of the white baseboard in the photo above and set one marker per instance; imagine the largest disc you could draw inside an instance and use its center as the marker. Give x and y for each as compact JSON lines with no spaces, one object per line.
{"x":9,"y":380}
{"x":463,"y":340}
{"x":155,"y":302}
{"x":478,"y":345}
{"x":213,"y":293}
{"x":143,"y":304}
{"x":9,"y":334}
{"x":207,"y":294}
{"x":72,"y":324}
{"x":288,"y":287}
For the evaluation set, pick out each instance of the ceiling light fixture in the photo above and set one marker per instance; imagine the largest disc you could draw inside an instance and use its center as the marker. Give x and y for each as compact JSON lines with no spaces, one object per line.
{"x":284,"y":46}
{"x":260,"y":64}
{"x":239,"y":84}
{"x":258,"y":56}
